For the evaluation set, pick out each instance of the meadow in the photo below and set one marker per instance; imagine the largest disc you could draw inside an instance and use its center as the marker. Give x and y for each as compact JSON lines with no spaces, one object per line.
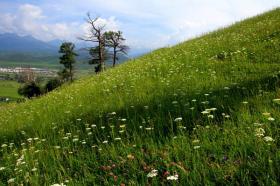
{"x":204,"y":112}
{"x":9,"y":89}
{"x":38,"y":64}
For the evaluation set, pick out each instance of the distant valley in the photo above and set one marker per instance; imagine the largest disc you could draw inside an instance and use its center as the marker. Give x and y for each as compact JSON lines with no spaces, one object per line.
{"x":27,"y":51}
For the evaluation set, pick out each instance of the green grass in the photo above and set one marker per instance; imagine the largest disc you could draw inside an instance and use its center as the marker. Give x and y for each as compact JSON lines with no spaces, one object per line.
{"x":38,"y":64}
{"x":81,"y":68}
{"x":8,"y":89}
{"x":181,"y":111}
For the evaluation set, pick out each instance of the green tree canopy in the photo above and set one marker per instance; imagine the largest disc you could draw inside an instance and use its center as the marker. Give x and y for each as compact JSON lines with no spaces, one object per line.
{"x":29,"y":90}
{"x":68,"y":59}
{"x":115,"y":41}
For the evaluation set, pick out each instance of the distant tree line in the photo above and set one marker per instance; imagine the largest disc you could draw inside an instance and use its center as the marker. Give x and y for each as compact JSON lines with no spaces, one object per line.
{"x":105,"y":45}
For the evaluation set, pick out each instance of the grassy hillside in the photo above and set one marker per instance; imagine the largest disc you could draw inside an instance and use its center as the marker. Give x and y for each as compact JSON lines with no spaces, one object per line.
{"x":205,"y":112}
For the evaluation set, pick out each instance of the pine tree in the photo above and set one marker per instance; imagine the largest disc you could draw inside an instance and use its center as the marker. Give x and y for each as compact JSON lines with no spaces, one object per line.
{"x":68,"y":60}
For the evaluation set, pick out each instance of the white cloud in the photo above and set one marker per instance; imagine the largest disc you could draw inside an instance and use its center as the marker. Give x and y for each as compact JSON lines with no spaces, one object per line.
{"x":145,"y":23}
{"x":109,"y":24}
{"x":157,"y":23}
{"x":30,"y":20}
{"x":6,"y":22}
{"x":28,"y":11}
{"x":187,"y":19}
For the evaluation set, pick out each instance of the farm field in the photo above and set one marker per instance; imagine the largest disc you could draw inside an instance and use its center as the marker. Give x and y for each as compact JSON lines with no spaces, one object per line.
{"x":13,"y":64}
{"x":9,"y":89}
{"x":204,"y":112}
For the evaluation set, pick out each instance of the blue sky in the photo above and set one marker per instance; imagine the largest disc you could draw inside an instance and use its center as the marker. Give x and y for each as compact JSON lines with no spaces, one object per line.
{"x":147,"y":24}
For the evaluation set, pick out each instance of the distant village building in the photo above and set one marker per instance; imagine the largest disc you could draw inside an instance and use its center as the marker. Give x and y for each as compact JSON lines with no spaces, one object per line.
{"x":27,"y":74}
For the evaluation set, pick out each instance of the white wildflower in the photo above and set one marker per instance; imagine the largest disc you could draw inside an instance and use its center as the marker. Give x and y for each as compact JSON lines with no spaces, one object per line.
{"x":266,"y":114}
{"x":12,"y":180}
{"x":268,"y":139}
{"x":182,"y":127}
{"x":153,"y":173}
{"x":75,"y":140}
{"x":276,"y":100}
{"x":196,"y":141}
{"x":205,"y":112}
{"x":178,"y":119}
{"x":259,"y":132}
{"x":227,"y":116}
{"x":149,"y":128}
{"x":196,"y":147}
{"x":57,"y":184}
{"x":270,"y":119}
{"x":205,"y":102}
{"x":172,"y":178}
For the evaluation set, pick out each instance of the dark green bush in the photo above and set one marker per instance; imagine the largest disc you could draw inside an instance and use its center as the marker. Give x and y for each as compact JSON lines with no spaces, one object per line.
{"x":52,"y":84}
{"x":29,"y":90}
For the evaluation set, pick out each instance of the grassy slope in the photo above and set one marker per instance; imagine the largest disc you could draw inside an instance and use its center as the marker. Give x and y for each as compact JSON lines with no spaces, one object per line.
{"x":148,"y":94}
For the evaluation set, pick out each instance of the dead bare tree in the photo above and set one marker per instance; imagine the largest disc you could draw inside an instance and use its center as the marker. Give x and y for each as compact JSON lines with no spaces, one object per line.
{"x":96,"y":36}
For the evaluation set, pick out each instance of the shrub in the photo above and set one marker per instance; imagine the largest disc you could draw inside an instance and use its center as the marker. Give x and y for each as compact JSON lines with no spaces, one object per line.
{"x":29,"y":90}
{"x":52,"y":84}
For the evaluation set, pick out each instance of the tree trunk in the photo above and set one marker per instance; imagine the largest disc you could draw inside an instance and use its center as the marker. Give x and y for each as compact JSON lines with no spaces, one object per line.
{"x":114,"y":57}
{"x":71,"y":75}
{"x":101,"y":54}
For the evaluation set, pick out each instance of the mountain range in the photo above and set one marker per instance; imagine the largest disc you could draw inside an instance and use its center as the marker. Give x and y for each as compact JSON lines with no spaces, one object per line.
{"x":14,"y":43}
{"x":15,"y":48}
